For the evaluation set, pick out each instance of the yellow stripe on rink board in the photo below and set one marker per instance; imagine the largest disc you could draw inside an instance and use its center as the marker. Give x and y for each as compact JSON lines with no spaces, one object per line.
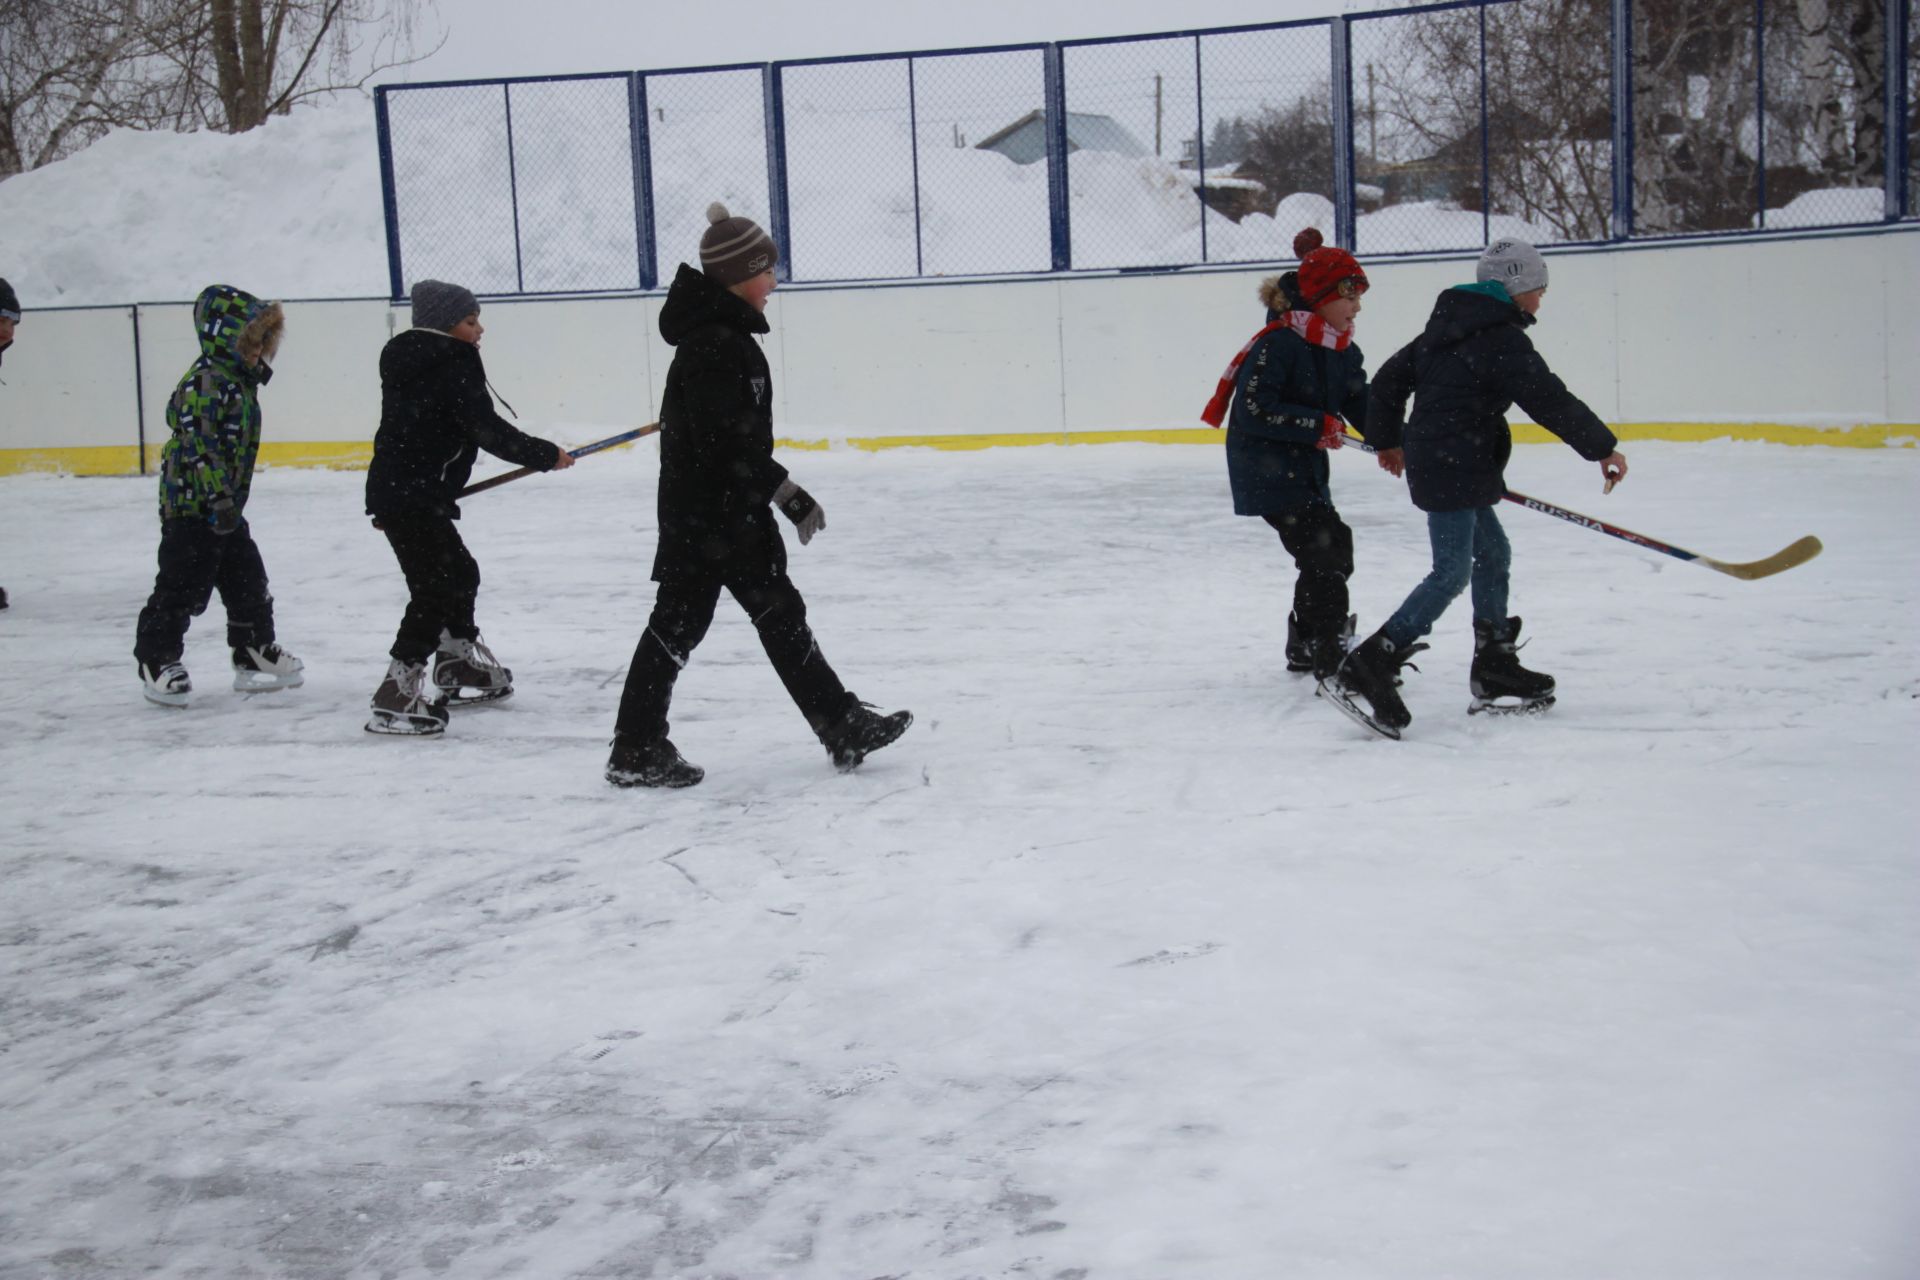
{"x":124,"y":460}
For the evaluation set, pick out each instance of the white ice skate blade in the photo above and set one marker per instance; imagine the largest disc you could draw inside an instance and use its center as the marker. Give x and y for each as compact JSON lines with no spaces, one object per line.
{"x":393,"y":725}
{"x":461,"y":698}
{"x":1344,"y":703}
{"x":1509,"y":707}
{"x":172,"y":701}
{"x":265,"y":681}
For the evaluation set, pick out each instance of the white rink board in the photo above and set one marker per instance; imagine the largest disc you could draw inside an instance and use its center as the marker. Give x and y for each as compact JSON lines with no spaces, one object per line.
{"x":1814,"y":331}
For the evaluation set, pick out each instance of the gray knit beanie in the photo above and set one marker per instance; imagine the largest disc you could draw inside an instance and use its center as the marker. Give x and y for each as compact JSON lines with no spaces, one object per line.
{"x":439,"y":305}
{"x":9,"y":301}
{"x":734,"y":249}
{"x":1515,"y":264}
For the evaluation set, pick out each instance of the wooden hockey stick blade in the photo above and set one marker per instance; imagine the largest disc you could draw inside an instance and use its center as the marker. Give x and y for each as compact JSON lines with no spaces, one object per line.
{"x":1788,"y":557}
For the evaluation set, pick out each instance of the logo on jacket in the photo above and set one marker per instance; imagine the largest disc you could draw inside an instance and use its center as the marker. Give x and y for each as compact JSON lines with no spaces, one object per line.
{"x":759,"y":389}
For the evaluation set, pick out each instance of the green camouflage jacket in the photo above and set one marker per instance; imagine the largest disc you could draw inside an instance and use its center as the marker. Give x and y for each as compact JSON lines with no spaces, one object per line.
{"x":214,"y":413}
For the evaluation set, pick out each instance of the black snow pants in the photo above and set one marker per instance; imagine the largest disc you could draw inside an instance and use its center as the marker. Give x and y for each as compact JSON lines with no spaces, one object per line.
{"x":443,"y":582}
{"x":1322,"y":548}
{"x":194,"y":563}
{"x":682,"y":612}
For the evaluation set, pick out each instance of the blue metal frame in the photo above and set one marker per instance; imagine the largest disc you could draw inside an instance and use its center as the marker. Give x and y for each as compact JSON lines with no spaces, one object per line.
{"x":1621,"y":232}
{"x":775,"y":100}
{"x":389,"y":193}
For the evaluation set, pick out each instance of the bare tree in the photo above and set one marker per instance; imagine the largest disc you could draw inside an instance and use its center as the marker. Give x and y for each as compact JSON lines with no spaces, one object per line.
{"x":1290,"y":149}
{"x":72,"y":69}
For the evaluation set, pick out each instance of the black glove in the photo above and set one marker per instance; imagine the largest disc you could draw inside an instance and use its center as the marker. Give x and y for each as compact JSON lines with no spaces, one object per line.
{"x":797,"y":505}
{"x":223,"y":516}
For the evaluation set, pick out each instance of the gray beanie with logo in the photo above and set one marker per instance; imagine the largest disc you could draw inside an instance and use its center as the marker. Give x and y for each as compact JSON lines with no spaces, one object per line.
{"x":1515,"y":264}
{"x":734,"y":249}
{"x":439,"y":305}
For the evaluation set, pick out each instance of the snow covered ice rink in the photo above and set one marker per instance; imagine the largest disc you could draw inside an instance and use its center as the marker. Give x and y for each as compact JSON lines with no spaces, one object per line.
{"x":1130,"y":961}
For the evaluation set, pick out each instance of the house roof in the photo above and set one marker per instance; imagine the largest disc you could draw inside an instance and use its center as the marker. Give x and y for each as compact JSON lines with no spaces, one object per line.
{"x":1084,"y":131}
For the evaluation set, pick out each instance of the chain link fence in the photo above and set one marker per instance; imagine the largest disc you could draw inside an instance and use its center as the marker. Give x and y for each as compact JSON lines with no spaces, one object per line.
{"x":1408,"y":131}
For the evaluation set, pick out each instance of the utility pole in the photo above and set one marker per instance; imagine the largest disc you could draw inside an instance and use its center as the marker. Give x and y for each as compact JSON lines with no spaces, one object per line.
{"x":1373,"y":142}
{"x":1156,"y":113}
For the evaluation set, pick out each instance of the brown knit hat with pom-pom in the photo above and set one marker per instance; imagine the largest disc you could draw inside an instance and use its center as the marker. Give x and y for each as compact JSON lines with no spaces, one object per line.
{"x":734,"y":249}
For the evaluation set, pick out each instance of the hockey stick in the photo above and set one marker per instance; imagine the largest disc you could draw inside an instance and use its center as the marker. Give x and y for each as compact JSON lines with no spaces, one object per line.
{"x":1796,"y":553}
{"x":585,"y":449}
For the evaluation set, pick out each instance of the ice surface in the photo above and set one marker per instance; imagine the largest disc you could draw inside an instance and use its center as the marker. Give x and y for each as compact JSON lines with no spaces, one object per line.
{"x":1130,"y":960}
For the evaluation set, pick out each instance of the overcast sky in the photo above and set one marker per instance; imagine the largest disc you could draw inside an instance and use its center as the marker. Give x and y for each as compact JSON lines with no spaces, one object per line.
{"x":488,"y":38}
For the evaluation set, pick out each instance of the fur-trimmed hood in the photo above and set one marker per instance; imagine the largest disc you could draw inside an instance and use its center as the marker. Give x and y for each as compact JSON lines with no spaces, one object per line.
{"x":237,"y":328}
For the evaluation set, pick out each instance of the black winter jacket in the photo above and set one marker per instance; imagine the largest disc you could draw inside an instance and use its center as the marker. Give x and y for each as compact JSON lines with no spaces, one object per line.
{"x":1282,"y":391}
{"x":717,"y":473}
{"x":435,"y":416}
{"x":1473,"y":362}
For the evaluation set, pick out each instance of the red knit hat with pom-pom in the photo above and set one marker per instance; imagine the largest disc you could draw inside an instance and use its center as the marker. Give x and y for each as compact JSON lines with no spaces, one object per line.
{"x":1322,"y":269}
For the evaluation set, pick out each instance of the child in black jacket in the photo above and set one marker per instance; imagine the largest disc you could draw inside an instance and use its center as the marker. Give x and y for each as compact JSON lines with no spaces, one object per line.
{"x":435,"y":417}
{"x":718,"y":485}
{"x":1472,"y":363}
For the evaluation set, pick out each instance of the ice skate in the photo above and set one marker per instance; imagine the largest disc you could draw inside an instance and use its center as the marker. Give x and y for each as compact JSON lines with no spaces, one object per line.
{"x":1500,"y":684}
{"x":266,"y":668}
{"x":650,"y":764}
{"x":401,"y":705}
{"x":1318,"y":654}
{"x":166,"y":687}
{"x":859,"y":732}
{"x":1299,"y":647}
{"x":466,"y":672}
{"x":1371,"y":672}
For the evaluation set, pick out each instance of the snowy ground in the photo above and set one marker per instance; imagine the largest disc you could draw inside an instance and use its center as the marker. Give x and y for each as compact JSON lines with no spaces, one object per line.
{"x":1130,"y":961}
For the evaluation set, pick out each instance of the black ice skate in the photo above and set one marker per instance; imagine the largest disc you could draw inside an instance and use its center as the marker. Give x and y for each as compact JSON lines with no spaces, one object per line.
{"x":466,"y":672}
{"x":1299,"y":647}
{"x":859,"y":731}
{"x":266,"y":668}
{"x":650,"y":764}
{"x":1372,"y":672}
{"x":402,"y":706}
{"x":1319,"y":654}
{"x":166,"y":687}
{"x":1499,"y":683}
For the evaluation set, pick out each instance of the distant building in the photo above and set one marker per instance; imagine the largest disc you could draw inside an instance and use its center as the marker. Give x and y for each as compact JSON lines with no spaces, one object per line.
{"x":1025,"y":140}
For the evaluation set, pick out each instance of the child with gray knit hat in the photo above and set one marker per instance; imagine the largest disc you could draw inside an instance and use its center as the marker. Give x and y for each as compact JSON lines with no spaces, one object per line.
{"x":719,"y":485}
{"x":1473,"y":362}
{"x":436,"y":415}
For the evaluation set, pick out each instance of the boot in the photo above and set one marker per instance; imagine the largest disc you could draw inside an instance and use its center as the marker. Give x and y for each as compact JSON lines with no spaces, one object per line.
{"x":267,"y":667}
{"x":1299,"y":646}
{"x":465,"y":672}
{"x":1372,"y":671}
{"x":402,"y":705}
{"x":1498,"y":681}
{"x":859,"y":731}
{"x":649,"y":764}
{"x":166,"y":685}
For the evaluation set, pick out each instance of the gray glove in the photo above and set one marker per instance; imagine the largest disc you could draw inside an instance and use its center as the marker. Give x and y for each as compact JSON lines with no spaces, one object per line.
{"x":223,"y":517}
{"x":797,"y":505}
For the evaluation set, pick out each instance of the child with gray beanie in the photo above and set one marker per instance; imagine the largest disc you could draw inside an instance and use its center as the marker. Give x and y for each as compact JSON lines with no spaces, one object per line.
{"x":1472,"y":363}
{"x":435,"y":417}
{"x":719,"y":485}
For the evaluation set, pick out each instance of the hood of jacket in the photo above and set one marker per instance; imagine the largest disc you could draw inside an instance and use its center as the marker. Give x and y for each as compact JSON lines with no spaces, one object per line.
{"x":220,"y":315}
{"x":1467,"y":309}
{"x":412,"y":352}
{"x":695,"y":301}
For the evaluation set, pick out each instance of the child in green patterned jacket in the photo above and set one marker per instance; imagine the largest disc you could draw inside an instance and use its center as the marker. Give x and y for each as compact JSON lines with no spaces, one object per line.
{"x":206,"y":470}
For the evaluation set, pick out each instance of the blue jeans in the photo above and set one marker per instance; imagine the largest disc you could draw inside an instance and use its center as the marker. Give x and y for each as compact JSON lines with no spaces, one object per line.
{"x":1468,"y":546}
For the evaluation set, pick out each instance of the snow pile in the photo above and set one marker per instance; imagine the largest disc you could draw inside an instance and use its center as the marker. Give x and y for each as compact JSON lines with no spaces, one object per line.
{"x":289,"y":210}
{"x":1827,"y":207}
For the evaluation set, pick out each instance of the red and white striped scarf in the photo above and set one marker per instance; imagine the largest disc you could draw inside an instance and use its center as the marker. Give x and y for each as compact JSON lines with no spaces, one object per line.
{"x":1307,"y":324}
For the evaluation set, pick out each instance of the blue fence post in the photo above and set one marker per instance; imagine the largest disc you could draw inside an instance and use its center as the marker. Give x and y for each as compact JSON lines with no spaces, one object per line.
{"x":1760,"y":112}
{"x":913,"y":139}
{"x":1059,"y":214}
{"x":389,"y":200}
{"x":773,"y":92}
{"x":139,"y":393}
{"x":645,"y":247}
{"x":1486,"y":141}
{"x":513,"y":193}
{"x":1344,"y":230}
{"x":1622,"y":228}
{"x":1898,"y":158}
{"x":1200,"y":140}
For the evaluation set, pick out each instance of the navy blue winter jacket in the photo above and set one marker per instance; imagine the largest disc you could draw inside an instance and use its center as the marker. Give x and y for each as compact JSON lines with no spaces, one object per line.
{"x":1283,"y":389}
{"x":1473,"y":362}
